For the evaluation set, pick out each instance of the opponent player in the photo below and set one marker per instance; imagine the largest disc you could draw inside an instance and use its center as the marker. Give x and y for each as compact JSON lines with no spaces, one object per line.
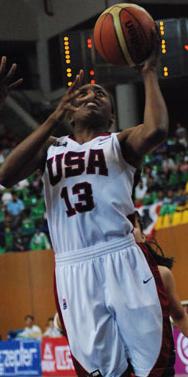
{"x":165,"y":264}
{"x":110,"y":314}
{"x":154,"y":253}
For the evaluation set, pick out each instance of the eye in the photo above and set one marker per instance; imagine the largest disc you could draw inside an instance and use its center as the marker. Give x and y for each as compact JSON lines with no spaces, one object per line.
{"x":100,"y":93}
{"x":83,"y":93}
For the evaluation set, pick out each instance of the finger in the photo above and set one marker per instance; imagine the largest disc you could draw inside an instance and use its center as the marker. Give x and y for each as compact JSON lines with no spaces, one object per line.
{"x":78,"y":81}
{"x":71,"y":108}
{"x":3,"y":64}
{"x":74,"y":84}
{"x":6,"y":79}
{"x":11,"y":71}
{"x":80,"y":78}
{"x":70,"y":96}
{"x":16,"y":83}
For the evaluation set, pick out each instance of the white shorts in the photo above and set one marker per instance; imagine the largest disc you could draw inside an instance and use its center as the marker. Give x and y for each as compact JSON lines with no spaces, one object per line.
{"x":110,"y":307}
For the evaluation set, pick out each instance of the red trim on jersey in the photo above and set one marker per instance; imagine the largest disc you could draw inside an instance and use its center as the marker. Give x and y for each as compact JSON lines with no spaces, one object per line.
{"x":80,"y":371}
{"x":164,"y":365}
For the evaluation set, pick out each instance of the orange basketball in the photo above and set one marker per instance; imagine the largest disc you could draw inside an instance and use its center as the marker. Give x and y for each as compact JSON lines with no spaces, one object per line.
{"x":123,"y":34}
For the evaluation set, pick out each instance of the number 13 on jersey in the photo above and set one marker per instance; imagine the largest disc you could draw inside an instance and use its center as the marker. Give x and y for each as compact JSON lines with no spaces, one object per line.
{"x":84,"y":202}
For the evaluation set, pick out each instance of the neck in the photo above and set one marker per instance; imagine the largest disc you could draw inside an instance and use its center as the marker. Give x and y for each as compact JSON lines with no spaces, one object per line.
{"x":83,"y":135}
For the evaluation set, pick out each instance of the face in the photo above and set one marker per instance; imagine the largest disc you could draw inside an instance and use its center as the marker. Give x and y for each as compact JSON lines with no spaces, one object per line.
{"x":93,"y":106}
{"x":29,"y":322}
{"x":51,"y":323}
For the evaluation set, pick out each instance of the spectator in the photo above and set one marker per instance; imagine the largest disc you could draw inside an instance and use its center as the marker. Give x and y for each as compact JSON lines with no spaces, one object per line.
{"x":19,"y":243}
{"x":39,"y":241}
{"x":140,"y":190}
{"x":168,"y":164}
{"x":22,"y":184}
{"x":8,"y":238}
{"x":51,"y":331}
{"x":15,"y":208}
{"x":31,"y":330}
{"x":6,"y":197}
{"x":181,"y":134}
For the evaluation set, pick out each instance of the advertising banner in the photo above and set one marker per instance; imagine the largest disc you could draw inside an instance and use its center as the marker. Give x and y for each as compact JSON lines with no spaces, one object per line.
{"x":56,"y":358}
{"x":20,"y":358}
{"x":181,"y":344}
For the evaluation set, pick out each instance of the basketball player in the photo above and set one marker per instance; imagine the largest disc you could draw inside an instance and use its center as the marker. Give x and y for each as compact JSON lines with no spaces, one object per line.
{"x":105,"y":288}
{"x":154,"y":254}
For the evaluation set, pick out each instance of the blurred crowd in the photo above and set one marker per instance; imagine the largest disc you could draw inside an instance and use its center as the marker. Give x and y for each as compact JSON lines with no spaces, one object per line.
{"x":31,"y":330}
{"x":164,"y":177}
{"x":164,"y":180}
{"x":23,"y":224}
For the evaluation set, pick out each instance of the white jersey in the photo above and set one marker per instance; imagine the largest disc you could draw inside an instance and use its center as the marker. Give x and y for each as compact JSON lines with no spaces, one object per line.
{"x":88,"y":189}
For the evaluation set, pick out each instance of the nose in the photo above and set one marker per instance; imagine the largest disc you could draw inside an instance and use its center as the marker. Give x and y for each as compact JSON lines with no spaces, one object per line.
{"x":90,"y":95}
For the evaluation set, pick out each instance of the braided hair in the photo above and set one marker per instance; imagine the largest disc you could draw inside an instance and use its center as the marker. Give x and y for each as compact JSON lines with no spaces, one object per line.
{"x":152,"y":245}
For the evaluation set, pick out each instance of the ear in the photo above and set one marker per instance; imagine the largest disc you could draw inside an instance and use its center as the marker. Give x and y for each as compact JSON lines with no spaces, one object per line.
{"x":69,"y":119}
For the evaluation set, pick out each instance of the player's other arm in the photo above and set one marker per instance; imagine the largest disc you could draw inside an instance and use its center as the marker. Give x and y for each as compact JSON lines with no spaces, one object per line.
{"x":29,"y":155}
{"x":154,"y":130}
{"x":177,"y":312}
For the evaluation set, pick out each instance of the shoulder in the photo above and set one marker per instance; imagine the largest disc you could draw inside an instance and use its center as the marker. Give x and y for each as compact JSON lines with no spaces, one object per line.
{"x":36,"y":328}
{"x":128,"y":140}
{"x":123,"y":135}
{"x":52,"y":141}
{"x":165,"y":271}
{"x":167,"y":277}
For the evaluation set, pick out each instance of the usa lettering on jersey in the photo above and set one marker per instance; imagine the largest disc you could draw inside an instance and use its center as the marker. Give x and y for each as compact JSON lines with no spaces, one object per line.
{"x":74,"y":164}
{"x":71,"y":164}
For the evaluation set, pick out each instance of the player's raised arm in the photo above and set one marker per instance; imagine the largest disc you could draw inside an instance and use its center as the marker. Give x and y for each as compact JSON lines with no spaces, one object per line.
{"x":30,"y":153}
{"x":145,"y":137}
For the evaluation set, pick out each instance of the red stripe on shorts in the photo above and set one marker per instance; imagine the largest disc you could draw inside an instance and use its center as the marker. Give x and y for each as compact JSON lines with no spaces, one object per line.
{"x":80,"y":371}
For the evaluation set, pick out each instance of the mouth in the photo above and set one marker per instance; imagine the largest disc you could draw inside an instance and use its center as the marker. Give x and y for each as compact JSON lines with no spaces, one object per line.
{"x":92,"y":105}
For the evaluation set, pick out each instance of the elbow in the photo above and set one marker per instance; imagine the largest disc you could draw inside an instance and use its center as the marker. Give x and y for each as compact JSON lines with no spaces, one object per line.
{"x":161,"y":134}
{"x":5,"y":182}
{"x":158,"y":135}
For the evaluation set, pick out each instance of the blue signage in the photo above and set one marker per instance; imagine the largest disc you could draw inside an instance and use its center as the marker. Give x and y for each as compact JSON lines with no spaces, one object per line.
{"x":20,"y":358}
